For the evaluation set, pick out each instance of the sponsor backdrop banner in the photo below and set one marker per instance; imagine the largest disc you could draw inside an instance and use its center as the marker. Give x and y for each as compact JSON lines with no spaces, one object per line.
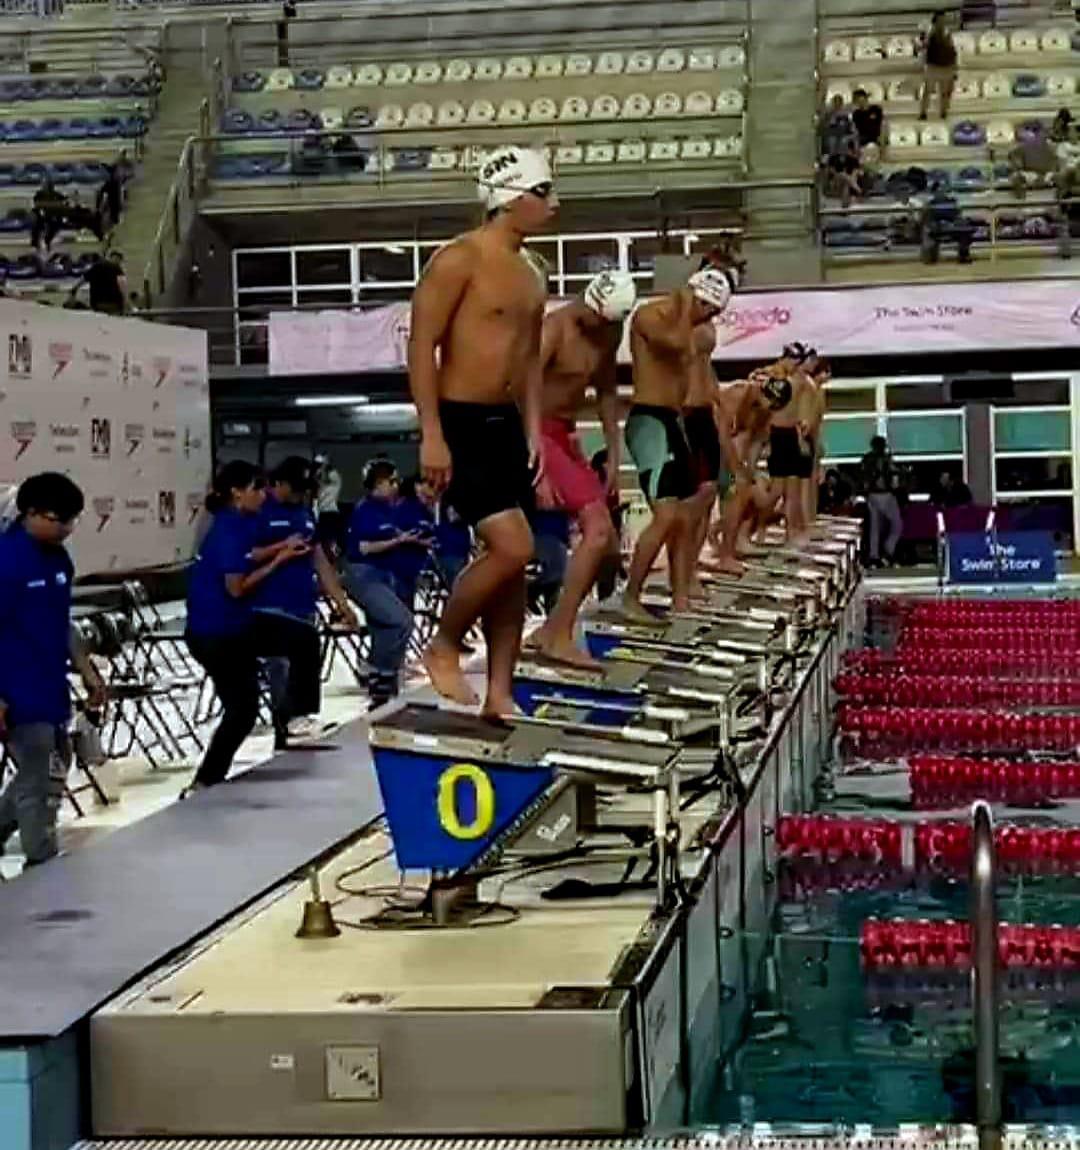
{"x":866,"y":321}
{"x":121,"y":406}
{"x":1010,"y":557}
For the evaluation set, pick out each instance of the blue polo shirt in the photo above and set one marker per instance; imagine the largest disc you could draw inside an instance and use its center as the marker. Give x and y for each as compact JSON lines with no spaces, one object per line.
{"x":408,"y":560}
{"x":293,"y":588}
{"x":211,"y":610}
{"x":373,"y":521}
{"x":35,"y":629}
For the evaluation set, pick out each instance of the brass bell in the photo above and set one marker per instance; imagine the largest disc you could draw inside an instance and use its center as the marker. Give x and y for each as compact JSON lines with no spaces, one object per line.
{"x":318,"y":920}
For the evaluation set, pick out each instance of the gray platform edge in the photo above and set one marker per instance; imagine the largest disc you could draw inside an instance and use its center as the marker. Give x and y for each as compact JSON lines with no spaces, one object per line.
{"x":78,"y":930}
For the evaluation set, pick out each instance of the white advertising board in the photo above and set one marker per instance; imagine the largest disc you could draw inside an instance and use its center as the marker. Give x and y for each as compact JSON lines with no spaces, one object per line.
{"x":123,"y":408}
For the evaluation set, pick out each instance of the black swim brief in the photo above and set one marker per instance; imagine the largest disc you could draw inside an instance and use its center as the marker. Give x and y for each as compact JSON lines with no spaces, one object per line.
{"x":787,"y":457}
{"x":657,"y":443}
{"x":706,"y":454}
{"x":489,"y":457}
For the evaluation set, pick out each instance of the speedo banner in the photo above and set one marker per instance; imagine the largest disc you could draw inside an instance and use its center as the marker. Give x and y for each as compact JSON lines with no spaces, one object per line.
{"x":755,"y":326}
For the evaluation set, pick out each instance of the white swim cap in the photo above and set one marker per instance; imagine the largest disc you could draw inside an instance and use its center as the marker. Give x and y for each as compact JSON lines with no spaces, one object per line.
{"x":612,"y":295}
{"x":713,"y":286}
{"x":509,"y":173}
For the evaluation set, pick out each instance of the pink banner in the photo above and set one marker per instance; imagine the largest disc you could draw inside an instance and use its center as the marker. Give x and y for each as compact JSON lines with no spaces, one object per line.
{"x":856,"y":321}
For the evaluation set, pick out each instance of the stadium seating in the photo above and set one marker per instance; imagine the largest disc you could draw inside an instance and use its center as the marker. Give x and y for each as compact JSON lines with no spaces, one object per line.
{"x":680,"y":106}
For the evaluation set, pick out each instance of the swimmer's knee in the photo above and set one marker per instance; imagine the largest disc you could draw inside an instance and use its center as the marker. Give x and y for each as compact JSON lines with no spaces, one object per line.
{"x":597,"y":530}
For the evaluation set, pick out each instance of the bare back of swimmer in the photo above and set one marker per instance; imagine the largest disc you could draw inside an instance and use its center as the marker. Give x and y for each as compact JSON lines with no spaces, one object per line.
{"x":580,"y":342}
{"x":474,"y":354}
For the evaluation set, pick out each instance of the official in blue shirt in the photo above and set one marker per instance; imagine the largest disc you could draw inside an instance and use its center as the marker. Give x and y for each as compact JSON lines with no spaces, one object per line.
{"x":374,"y":536}
{"x":414,"y":516}
{"x":221,"y":628}
{"x":36,"y":646}
{"x":288,"y":596}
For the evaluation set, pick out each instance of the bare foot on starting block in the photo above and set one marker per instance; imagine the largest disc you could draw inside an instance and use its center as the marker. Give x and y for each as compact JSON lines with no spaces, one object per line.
{"x":566,"y":651}
{"x":443,"y":666}
{"x":633,"y":608}
{"x":729,"y":565}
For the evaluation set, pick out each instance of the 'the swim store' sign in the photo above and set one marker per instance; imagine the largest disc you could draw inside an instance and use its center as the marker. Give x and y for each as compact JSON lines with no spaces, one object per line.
{"x":1009,"y":557}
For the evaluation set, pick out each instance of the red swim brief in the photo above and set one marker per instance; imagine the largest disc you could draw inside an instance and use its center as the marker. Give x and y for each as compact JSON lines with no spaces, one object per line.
{"x":574,"y":482}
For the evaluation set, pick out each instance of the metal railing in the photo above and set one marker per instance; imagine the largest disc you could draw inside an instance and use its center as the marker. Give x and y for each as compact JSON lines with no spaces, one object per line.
{"x":985,"y":980}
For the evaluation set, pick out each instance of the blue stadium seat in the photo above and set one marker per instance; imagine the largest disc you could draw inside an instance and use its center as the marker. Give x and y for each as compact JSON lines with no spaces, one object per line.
{"x":968,"y":134}
{"x":52,"y":129}
{"x":32,"y":173}
{"x":249,"y":82}
{"x":133,"y":126}
{"x":26,"y":267}
{"x":62,"y":172}
{"x":359,"y":118}
{"x":92,"y":87}
{"x":89,"y":172}
{"x":22,"y":131}
{"x":1030,"y":130}
{"x":301,"y":120}
{"x":16,"y":220}
{"x":77,"y":128}
{"x":236,"y":121}
{"x":56,"y":267}
{"x":412,"y":160}
{"x":309,"y":80}
{"x":941,"y":176}
{"x":971,"y":180}
{"x":270,"y":121}
{"x":1028,"y":86}
{"x":7,"y":175}
{"x":106,"y":128}
{"x":122,"y":85}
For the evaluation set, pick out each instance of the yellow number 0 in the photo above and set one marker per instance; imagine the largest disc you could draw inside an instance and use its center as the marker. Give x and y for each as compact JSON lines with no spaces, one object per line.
{"x":447,"y":802}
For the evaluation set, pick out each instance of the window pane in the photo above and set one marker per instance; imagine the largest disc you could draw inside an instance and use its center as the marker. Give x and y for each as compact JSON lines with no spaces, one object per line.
{"x":853,"y":399}
{"x":339,"y":297}
{"x":848,"y":436}
{"x":913,"y":396}
{"x":1031,"y":430}
{"x":263,"y":269}
{"x":1033,"y":474}
{"x":939,"y":434}
{"x":388,"y":264}
{"x":323,"y":267}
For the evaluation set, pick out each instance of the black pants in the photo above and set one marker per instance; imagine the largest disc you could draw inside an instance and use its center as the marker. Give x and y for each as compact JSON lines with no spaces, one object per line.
{"x":231,"y":661}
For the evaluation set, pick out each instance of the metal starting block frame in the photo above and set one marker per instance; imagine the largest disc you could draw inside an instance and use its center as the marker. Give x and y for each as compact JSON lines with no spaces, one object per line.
{"x":458,"y":789}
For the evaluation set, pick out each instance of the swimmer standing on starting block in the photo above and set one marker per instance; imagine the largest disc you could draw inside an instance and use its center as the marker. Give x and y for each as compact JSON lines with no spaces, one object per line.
{"x":662,"y":347}
{"x":578,"y":350}
{"x":474,"y":354}
{"x":791,"y":449}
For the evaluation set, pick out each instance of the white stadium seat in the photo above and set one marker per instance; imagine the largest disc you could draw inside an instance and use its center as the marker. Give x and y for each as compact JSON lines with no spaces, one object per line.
{"x":727,"y":147}
{"x":480,"y":112}
{"x":368,"y":76}
{"x":390,"y":116}
{"x":630,"y":152}
{"x":1000,"y":133}
{"x":398,"y":74}
{"x":934,"y":136}
{"x":701,"y":60}
{"x":636,"y":106}
{"x":903,"y":136}
{"x":574,"y":108}
{"x":664,"y":150}
{"x":905,"y":91}
{"x":667,"y":104}
{"x":997,"y":87}
{"x":600,"y":152}
{"x":900,"y":48}
{"x":671,"y":60}
{"x":458,"y":71}
{"x":839,"y":88}
{"x":451,"y":113}
{"x":604,"y":107}
{"x":640,"y":63}
{"x":729,"y":102}
{"x":610,"y":64}
{"x":698,"y":104}
{"x":875,"y":92}
{"x":419,"y":116}
{"x":1056,"y":40}
{"x":993,"y":43}
{"x":549,"y":66}
{"x":428,"y":72}
{"x":869,"y":48}
{"x":511,"y":112}
{"x":518,"y":68}
{"x":578,"y":64}
{"x":568,"y":155}
{"x":339,"y":76}
{"x":279,"y":80}
{"x":332,"y":119}
{"x":543,"y":110}
{"x":1024,"y":40}
{"x":967,"y":90}
{"x":444,"y":159}
{"x":838,"y":52}
{"x":487,"y":68}
{"x":696,"y":148}
{"x":731,"y":56}
{"x":964,"y":43}
{"x":1060,"y":84}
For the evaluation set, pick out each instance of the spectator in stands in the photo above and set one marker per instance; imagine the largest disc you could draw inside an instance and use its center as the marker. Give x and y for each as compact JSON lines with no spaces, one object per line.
{"x":1059,"y":127}
{"x":36,"y":642}
{"x":348,"y":153}
{"x":222,"y":633}
{"x":837,"y":128}
{"x":415,"y":513}
{"x":47,"y":216}
{"x":107,"y":283}
{"x":880,"y":480}
{"x":950,"y":492}
{"x":289,"y":594}
{"x":551,"y":535}
{"x":111,"y":195}
{"x":869,"y":122}
{"x":288,"y":13}
{"x":942,"y":220}
{"x":375,"y":534}
{"x":1068,"y":156}
{"x":939,"y":66}
{"x":1033,"y":160}
{"x":845,"y":177}
{"x":835,"y":494}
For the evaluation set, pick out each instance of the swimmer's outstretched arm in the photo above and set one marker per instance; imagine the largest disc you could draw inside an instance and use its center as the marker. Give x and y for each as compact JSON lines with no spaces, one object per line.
{"x":434,"y":304}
